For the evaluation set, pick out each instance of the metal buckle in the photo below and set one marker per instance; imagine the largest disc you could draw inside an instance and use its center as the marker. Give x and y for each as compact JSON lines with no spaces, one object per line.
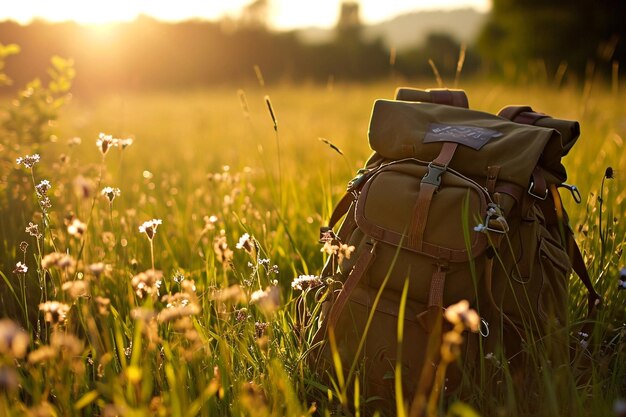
{"x":530,"y":191}
{"x":433,"y":174}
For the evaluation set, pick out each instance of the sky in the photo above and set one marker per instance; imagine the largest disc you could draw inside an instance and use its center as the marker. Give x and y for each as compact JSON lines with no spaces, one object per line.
{"x":284,"y":14}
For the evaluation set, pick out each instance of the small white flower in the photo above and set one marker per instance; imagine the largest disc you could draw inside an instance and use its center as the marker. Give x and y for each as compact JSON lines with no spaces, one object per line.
{"x":245,"y":243}
{"x":105,"y":142}
{"x":111,"y":193}
{"x":28,"y":161}
{"x":20,"y":268}
{"x":150,"y":227}
{"x":304,"y":282}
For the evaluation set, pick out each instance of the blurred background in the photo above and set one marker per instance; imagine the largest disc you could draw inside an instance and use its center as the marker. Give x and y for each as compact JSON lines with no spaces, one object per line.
{"x":172,"y":45}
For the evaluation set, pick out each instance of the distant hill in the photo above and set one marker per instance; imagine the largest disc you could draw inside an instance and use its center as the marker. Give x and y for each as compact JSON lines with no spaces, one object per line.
{"x":411,"y":29}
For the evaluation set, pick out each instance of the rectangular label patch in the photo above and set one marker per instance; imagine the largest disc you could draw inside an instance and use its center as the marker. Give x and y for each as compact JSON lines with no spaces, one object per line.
{"x":472,"y":136}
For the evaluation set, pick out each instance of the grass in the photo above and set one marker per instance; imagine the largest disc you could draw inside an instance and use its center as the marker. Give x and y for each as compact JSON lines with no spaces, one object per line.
{"x":230,"y":342}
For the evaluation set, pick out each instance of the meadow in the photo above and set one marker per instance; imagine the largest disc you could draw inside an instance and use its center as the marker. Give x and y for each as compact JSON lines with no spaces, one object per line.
{"x":173,"y":287}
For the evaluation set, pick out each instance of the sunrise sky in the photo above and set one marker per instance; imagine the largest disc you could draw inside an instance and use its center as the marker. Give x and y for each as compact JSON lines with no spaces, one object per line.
{"x":284,"y":14}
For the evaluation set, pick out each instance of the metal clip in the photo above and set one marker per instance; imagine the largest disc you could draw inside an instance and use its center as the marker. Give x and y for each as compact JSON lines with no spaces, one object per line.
{"x":358,"y":179}
{"x":483,"y":325}
{"x":530,"y":191}
{"x":574,"y":190}
{"x":433,"y":174}
{"x":494,"y":216}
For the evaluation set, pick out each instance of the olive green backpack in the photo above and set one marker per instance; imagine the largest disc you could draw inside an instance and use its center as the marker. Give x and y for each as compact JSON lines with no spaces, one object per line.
{"x":457,"y":204}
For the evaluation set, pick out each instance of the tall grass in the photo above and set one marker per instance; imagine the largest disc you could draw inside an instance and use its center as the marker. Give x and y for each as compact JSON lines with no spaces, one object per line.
{"x":197,"y":316}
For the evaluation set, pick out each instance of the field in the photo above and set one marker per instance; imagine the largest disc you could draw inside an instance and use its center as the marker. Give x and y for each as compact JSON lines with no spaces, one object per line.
{"x":212,"y":166}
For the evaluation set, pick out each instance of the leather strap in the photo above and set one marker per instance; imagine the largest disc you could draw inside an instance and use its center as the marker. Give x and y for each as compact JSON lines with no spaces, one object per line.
{"x":341,"y":208}
{"x":427,"y":190}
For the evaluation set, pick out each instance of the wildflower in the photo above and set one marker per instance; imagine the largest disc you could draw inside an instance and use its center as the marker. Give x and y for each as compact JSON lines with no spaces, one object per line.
{"x":246,"y":243}
{"x":124,"y":143}
{"x":54,"y":311}
{"x":97,"y":268}
{"x":43,"y":187}
{"x":176,"y":312}
{"x":209,"y":223}
{"x":223,"y":252}
{"x":45,"y":203}
{"x":103,"y":305}
{"x":304,"y":282}
{"x":268,"y":300}
{"x":23,"y":246}
{"x":241,"y":315}
{"x":150,"y":227}
{"x":345,"y":251}
{"x":451,"y":346}
{"x":83,"y":187}
{"x":13,"y":339}
{"x":20,"y":268}
{"x":461,"y":314}
{"x":111,"y":193}
{"x":147,"y":283}
{"x":75,"y":141}
{"x":33,"y":230}
{"x":76,"y":228}
{"x":178,"y":277}
{"x":260,"y":328}
{"x":105,"y":142}
{"x":76,"y":288}
{"x":28,"y":161}
{"x":329,"y":248}
{"x":58,"y":259}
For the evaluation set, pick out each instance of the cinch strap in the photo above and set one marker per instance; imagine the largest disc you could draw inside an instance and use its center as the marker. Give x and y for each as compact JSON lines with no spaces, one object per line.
{"x":429,"y":184}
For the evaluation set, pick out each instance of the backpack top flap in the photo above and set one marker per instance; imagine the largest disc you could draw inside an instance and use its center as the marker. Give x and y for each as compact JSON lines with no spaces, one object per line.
{"x":416,"y":130}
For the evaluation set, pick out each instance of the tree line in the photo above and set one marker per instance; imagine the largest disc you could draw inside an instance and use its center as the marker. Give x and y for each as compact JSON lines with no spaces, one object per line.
{"x":520,"y":37}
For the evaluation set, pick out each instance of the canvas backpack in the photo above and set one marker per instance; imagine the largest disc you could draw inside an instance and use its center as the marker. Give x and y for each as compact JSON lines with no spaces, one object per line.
{"x":457,"y":204}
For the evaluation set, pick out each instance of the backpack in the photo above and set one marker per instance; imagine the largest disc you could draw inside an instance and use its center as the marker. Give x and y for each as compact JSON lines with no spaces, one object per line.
{"x":453,"y":204}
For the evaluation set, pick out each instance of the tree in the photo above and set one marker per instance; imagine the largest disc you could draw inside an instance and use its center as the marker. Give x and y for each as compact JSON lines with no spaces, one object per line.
{"x":521,"y":32}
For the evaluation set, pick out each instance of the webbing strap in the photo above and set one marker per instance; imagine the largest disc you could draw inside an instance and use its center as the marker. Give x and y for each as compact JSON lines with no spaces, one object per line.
{"x":429,"y":318}
{"x":427,"y":190}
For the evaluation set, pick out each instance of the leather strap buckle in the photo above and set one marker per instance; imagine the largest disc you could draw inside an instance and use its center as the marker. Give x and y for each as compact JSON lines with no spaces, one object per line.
{"x":433,"y":174}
